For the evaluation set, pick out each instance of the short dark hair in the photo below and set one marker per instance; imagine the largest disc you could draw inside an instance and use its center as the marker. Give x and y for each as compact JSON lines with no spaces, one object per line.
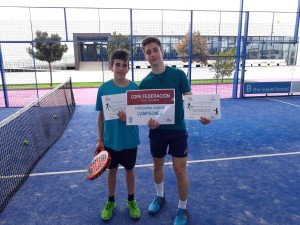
{"x":122,"y":54}
{"x":151,"y":39}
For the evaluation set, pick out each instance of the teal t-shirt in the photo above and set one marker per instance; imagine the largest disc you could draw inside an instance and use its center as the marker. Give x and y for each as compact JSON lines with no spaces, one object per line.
{"x":116,"y":134}
{"x":170,"y":78}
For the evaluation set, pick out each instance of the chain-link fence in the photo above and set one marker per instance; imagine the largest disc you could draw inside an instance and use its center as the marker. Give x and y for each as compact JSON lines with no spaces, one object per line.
{"x":269,"y":42}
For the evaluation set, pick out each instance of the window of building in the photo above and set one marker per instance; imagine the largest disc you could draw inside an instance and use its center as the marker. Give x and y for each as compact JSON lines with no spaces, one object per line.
{"x":231,"y":42}
{"x":225,"y":43}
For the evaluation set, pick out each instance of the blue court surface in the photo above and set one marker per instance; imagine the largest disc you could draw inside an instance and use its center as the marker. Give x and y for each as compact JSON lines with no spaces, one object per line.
{"x":6,"y":112}
{"x":244,"y":170}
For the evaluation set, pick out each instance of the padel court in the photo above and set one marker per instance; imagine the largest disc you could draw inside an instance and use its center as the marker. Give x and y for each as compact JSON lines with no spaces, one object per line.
{"x":243,"y":170}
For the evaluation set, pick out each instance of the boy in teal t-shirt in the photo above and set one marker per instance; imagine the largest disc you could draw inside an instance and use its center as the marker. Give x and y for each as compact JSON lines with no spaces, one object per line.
{"x":168,"y":139}
{"x":116,"y":137}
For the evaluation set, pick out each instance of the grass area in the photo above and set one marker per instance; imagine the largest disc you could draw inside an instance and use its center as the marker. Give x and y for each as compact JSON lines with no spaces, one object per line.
{"x":82,"y":84}
{"x":211,"y":81}
{"x":97,"y":84}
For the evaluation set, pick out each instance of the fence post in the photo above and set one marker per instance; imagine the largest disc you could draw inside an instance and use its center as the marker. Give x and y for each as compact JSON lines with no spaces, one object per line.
{"x":131,"y":45}
{"x":66,"y":24}
{"x":190,"y":52}
{"x":33,"y":54}
{"x":238,"y":53}
{"x":296,"y":32}
{"x":244,"y":51}
{"x":3,"y":80}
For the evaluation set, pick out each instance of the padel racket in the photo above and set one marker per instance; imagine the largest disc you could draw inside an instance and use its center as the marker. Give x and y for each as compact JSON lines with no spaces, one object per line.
{"x":99,"y":164}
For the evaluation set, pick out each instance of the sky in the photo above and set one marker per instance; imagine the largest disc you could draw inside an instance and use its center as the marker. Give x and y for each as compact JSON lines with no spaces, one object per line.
{"x":221,"y":5}
{"x":231,"y":5}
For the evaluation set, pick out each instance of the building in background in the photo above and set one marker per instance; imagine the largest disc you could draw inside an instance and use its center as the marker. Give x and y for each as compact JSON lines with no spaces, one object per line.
{"x":259,"y":47}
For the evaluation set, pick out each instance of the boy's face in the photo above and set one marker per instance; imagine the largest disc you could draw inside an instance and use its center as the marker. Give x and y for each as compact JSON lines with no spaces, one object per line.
{"x":120,"y":68}
{"x":153,"y":54}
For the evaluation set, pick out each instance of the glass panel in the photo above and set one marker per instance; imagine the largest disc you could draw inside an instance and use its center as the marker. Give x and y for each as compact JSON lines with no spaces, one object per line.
{"x":224,"y":42}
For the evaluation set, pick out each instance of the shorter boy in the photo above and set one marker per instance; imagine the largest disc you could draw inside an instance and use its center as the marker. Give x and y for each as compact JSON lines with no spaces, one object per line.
{"x":119,"y":140}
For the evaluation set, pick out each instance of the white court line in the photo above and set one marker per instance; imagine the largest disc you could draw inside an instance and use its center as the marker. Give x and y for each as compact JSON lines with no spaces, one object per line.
{"x":283,"y":102}
{"x":167,"y":163}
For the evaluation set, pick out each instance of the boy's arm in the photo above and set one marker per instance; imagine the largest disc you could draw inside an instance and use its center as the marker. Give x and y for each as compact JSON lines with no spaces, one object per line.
{"x":100,"y":129}
{"x":188,"y":93}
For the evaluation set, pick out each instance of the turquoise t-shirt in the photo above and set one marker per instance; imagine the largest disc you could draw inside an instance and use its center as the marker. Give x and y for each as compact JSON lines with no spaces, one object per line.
{"x":170,"y":78}
{"x":116,"y":134}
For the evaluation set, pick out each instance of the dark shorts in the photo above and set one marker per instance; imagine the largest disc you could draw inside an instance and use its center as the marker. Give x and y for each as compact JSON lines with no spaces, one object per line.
{"x":126,"y":158}
{"x":174,"y":141}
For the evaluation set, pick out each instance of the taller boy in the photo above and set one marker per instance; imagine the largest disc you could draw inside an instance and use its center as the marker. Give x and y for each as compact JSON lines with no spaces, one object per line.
{"x":168,"y":137}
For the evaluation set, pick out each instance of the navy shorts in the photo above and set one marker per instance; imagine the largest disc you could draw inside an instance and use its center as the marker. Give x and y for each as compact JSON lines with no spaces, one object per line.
{"x":126,"y":158}
{"x":173,"y":141}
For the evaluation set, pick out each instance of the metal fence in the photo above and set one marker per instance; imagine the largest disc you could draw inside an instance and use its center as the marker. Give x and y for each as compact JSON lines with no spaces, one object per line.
{"x":265,"y":48}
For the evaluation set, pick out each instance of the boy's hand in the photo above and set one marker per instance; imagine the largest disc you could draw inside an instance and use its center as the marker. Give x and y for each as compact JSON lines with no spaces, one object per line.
{"x":204,"y":120}
{"x":99,"y":146}
{"x":153,"y":124}
{"x":122,"y":115}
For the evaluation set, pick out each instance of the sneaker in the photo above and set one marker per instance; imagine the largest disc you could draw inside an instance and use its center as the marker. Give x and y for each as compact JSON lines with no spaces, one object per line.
{"x":181,"y":217}
{"x":134,"y":210}
{"x":107,"y":212}
{"x":155,"y":206}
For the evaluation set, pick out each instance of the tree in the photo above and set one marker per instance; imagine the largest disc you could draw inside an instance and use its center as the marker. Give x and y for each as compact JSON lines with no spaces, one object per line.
{"x":199,"y":48}
{"x":48,"y":49}
{"x":117,"y":41}
{"x":224,"y":64}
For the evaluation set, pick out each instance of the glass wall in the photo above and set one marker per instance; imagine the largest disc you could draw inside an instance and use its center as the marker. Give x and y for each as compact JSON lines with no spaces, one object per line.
{"x":257,"y":48}
{"x":93,"y":51}
{"x":272,"y":48}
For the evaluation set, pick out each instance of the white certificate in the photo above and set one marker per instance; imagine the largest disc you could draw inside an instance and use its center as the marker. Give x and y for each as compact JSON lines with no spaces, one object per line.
{"x":112,"y":104}
{"x":158,"y":104}
{"x":196,"y":106}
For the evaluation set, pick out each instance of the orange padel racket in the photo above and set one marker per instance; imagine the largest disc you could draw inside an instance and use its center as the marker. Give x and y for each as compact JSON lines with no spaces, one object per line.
{"x":99,"y":164}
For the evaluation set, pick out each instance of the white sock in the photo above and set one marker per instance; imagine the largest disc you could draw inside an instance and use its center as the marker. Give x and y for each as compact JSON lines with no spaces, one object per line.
{"x":182,"y":204}
{"x":160,"y":189}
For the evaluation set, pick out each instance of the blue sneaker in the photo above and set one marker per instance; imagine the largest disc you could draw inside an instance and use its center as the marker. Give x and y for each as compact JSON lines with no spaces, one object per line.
{"x":155,"y":206}
{"x":181,"y":217}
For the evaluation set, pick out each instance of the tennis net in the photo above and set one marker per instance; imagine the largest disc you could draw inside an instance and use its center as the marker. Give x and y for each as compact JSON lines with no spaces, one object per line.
{"x":26,"y":135}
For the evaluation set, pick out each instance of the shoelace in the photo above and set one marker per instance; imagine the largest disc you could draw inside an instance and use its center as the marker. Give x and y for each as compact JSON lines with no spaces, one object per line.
{"x":180,"y":213}
{"x":133,"y":205}
{"x":158,"y":200}
{"x":108,"y":206}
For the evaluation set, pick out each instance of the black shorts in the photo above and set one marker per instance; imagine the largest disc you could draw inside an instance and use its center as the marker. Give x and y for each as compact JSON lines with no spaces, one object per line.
{"x":161,"y":140}
{"x":126,"y":158}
